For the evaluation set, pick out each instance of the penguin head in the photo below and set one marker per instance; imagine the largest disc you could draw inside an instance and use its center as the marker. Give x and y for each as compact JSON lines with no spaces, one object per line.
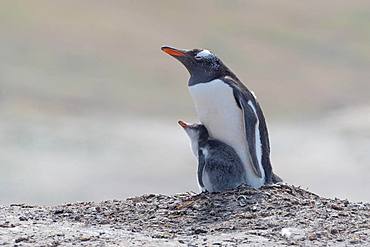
{"x":196,"y":132}
{"x":202,"y":65}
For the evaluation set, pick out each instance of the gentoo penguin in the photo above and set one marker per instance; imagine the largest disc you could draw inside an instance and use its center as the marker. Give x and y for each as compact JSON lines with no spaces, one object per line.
{"x":219,"y":166}
{"x":230,"y":112}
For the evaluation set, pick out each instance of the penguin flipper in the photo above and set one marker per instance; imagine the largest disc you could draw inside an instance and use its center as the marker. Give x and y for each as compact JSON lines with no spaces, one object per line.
{"x":201,"y":164}
{"x":252,"y":134}
{"x":253,"y":114}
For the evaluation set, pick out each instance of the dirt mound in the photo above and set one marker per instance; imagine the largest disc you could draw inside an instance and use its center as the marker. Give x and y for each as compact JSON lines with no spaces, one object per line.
{"x":273,"y":215}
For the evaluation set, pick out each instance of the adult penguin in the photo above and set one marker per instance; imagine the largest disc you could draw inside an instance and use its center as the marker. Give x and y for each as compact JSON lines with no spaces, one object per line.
{"x":229,"y":111}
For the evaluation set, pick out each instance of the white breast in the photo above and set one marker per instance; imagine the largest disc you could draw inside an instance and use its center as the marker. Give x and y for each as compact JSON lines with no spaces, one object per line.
{"x":217,"y":110}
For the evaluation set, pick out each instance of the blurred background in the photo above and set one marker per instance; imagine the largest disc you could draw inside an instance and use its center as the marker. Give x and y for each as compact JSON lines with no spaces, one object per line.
{"x":89,"y":104}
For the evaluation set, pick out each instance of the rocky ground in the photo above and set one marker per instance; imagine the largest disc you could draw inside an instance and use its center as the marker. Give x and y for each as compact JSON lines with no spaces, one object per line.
{"x":277,"y":215}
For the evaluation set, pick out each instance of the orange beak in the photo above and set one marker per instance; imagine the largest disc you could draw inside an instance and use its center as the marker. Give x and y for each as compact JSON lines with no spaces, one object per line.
{"x":183,"y":124}
{"x":172,"y":51}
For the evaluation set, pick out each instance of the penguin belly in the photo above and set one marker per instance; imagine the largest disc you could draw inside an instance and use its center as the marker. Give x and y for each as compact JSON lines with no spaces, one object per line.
{"x":218,"y":111}
{"x":218,"y":175}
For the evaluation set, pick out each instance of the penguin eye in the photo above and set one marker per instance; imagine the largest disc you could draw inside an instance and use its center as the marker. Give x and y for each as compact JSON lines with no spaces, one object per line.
{"x":198,"y":58}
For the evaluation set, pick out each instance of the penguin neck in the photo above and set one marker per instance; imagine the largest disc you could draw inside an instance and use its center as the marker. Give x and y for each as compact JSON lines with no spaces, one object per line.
{"x":197,"y":77}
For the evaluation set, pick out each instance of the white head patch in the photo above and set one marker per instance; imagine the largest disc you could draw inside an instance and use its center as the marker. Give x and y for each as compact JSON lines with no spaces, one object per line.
{"x":203,"y":54}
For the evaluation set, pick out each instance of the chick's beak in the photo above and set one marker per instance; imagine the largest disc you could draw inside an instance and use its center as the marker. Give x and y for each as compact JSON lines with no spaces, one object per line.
{"x":183,"y":124}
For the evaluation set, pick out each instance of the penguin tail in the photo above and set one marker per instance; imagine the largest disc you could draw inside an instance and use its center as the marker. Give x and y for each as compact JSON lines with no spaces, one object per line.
{"x":276,"y":179}
{"x":273,"y":179}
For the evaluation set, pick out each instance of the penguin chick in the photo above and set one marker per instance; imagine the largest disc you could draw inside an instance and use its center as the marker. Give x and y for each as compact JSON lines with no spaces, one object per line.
{"x":219,"y":166}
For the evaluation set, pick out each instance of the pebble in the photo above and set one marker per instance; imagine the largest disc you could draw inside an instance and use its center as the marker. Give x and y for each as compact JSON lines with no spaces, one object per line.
{"x":22,"y":218}
{"x":21,"y":239}
{"x":84,"y":238}
{"x":312,"y":236}
{"x":354,"y":241}
{"x":336,"y":207}
{"x":59,"y":211}
{"x":199,"y":231}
